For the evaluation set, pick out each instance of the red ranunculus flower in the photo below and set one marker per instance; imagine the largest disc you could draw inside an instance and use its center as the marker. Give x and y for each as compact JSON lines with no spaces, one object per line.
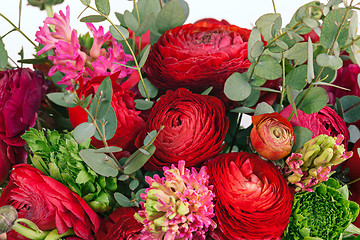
{"x":10,"y":155}
{"x":48,"y":203}
{"x":121,"y":225}
{"x":194,"y":129}
{"x":326,"y":121}
{"x":198,"y":56}
{"x":272,"y":136}
{"x":129,"y":123}
{"x":253,"y":200}
{"x":21,"y":92}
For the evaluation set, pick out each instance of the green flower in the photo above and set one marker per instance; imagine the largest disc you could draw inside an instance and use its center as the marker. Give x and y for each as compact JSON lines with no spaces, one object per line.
{"x":324,"y":213}
{"x":57,"y":155}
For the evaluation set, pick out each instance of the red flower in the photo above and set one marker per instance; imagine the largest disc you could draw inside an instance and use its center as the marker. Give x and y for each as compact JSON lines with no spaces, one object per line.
{"x":21,"y":92}
{"x":48,"y":203}
{"x":121,"y":225}
{"x":129,"y":123}
{"x":10,"y":155}
{"x":198,"y":56}
{"x":272,"y":136}
{"x":326,"y":121}
{"x":195,"y":128}
{"x":253,"y":200}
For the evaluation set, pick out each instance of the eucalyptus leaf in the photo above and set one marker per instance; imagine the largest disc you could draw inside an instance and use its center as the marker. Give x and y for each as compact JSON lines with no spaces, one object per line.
{"x":146,"y":24}
{"x":236,"y":87}
{"x":296,"y":78}
{"x":330,"y":28}
{"x":143,"y":104}
{"x":114,"y":32}
{"x":291,"y":100}
{"x":123,"y":177}
{"x":330,"y":61}
{"x":302,"y":135}
{"x":122,"y":199}
{"x":268,"y":68}
{"x":130,"y":21}
{"x":268,"y":24}
{"x":138,"y":159}
{"x":101,"y":102}
{"x":255,"y":37}
{"x":298,"y":52}
{"x":207,"y":91}
{"x":150,"y":137}
{"x":353,"y":27}
{"x":310,"y":22}
{"x":263,"y":108}
{"x":93,"y":18}
{"x":351,"y":107}
{"x":243,"y":110}
{"x":59,"y":99}
{"x":257,"y":49}
{"x":99,"y":162}
{"x":314,"y":101}
{"x":103,"y":6}
{"x":86,"y":2}
{"x":84,"y":131}
{"x":145,"y":54}
{"x":151,"y":89}
{"x":3,"y":55}
{"x":170,"y":16}
{"x":253,"y":98}
{"x":134,"y":184}
{"x":310,"y":61}
{"x":109,"y":149}
{"x":110,"y":122}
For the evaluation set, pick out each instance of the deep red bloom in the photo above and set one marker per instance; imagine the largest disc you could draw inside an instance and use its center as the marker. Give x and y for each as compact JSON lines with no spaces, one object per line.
{"x":198,"y":56}
{"x":326,"y":121}
{"x":48,"y":203}
{"x":253,"y":200}
{"x":21,"y":92}
{"x":194,"y":129}
{"x":10,"y":155}
{"x":121,"y":225}
{"x":129,"y":123}
{"x":272,"y":136}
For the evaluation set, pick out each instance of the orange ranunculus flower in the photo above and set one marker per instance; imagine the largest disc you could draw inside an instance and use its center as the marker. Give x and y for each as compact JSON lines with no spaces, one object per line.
{"x":272,"y":136}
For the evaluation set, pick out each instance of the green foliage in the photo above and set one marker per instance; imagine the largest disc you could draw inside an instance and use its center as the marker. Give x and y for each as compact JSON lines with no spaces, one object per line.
{"x":57,"y":155}
{"x":236,"y":87}
{"x":323,"y":214}
{"x":3,"y":55}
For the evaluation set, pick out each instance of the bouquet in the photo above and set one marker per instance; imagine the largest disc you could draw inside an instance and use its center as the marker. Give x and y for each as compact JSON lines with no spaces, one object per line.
{"x":137,"y":131}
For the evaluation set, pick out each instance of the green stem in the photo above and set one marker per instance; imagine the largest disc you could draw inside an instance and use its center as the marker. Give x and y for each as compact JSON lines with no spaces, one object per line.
{"x":49,"y":10}
{"x":29,"y":233}
{"x":20,"y":8}
{"x":236,"y":131}
{"x":19,"y":30}
{"x":128,"y":45}
{"x":283,"y":82}
{"x":273,"y":3}
{"x":54,"y":235}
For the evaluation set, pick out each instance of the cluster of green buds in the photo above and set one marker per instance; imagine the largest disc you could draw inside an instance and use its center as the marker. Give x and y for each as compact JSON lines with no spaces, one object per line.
{"x":57,"y":155}
{"x":43,"y":3}
{"x":312,"y":164}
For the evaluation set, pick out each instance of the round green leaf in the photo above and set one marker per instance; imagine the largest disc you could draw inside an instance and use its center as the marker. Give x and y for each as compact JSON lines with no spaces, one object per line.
{"x":268,"y":68}
{"x":130,"y":21}
{"x":138,"y":159}
{"x":62,"y":99}
{"x":122,"y":199}
{"x":330,"y":28}
{"x":99,"y":162}
{"x":263,"y":108}
{"x":302,"y":135}
{"x":236,"y":87}
{"x":351,"y":107}
{"x":93,"y":18}
{"x":84,"y":131}
{"x":314,"y":101}
{"x":330,"y":61}
{"x":296,"y":78}
{"x":134,"y":184}
{"x":103,"y":6}
{"x":114,"y":32}
{"x":143,"y":104}
{"x":170,"y":16}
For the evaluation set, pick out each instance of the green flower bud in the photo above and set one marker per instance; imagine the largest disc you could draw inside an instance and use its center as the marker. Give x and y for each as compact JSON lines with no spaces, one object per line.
{"x":8,"y":215}
{"x":324,"y":157}
{"x":41,"y":3}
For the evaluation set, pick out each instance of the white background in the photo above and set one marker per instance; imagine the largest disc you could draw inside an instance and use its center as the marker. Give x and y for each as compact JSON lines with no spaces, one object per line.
{"x":242,"y":13}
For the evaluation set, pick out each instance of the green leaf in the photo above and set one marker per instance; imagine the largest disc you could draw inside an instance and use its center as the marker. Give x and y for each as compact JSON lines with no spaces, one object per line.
{"x":170,"y":16}
{"x":310,"y":63}
{"x":268,"y":24}
{"x":130,"y":21}
{"x":145,"y":24}
{"x":299,"y":52}
{"x":123,"y":177}
{"x":151,"y":89}
{"x":353,"y":26}
{"x":84,"y":131}
{"x":268,"y":68}
{"x":236,"y":87}
{"x":314,"y":101}
{"x":207,"y":91}
{"x":62,"y":99}
{"x":254,"y":38}
{"x":351,"y":107}
{"x":34,"y":60}
{"x":327,"y":75}
{"x":39,"y":163}
{"x":330,"y":61}
{"x":145,"y":54}
{"x":143,"y":104}
{"x":310,"y":22}
{"x":150,"y":137}
{"x":122,"y":199}
{"x":83,"y":177}
{"x":101,"y":102}
{"x":279,"y":47}
{"x":117,"y":35}
{"x":330,"y":28}
{"x":86,"y":2}
{"x":109,"y":149}
{"x":110,"y":121}
{"x":243,"y":110}
{"x":302,"y":135}
{"x":93,"y":18}
{"x":103,"y":6}
{"x":134,"y":184}
{"x":138,"y":159}
{"x":296,"y":78}
{"x":99,"y":162}
{"x":263,"y":108}
{"x":3,"y":55}
{"x":253,"y":98}
{"x":290,"y":98}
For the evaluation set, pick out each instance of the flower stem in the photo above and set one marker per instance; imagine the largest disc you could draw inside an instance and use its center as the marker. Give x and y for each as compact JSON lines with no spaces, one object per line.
{"x":273,"y":3}
{"x":54,"y":235}
{"x":28,"y":232}
{"x":283,"y":82}
{"x":49,"y":10}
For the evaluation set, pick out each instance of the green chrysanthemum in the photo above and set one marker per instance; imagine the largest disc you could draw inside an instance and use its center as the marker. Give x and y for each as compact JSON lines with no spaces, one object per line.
{"x":57,"y":155}
{"x":324,"y":213}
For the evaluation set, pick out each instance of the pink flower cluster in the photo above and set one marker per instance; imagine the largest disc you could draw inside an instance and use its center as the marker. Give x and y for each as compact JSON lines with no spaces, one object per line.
{"x":70,"y":58}
{"x":178,"y":206}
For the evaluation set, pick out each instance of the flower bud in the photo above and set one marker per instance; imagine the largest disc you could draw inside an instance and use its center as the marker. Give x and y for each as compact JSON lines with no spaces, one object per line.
{"x":41,"y":3}
{"x":8,"y":215}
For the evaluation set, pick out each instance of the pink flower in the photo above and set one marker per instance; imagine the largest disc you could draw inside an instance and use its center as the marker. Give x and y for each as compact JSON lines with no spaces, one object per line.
{"x":99,"y":39}
{"x":178,"y":206}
